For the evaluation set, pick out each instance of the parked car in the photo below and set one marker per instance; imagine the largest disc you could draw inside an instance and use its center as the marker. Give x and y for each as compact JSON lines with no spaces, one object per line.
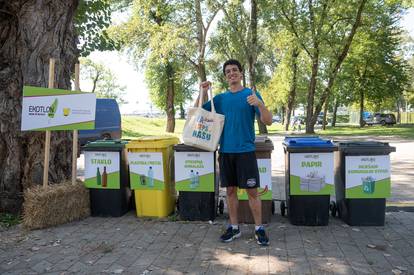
{"x":107,"y":122}
{"x":382,"y":119}
{"x":276,"y":119}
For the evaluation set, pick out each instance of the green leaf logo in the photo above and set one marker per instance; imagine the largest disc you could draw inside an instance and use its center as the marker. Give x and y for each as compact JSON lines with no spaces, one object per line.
{"x":53,"y":108}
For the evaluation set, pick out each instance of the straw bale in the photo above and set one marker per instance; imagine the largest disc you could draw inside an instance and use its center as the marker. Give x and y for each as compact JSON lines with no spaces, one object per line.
{"x":55,"y":204}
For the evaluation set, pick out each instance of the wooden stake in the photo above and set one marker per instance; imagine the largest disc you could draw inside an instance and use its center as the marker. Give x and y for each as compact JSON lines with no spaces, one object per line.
{"x":47,"y":137}
{"x":75,"y":132}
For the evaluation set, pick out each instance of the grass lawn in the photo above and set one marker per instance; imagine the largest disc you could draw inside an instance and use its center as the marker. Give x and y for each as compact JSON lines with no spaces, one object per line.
{"x":134,"y":126}
{"x":401,"y":131}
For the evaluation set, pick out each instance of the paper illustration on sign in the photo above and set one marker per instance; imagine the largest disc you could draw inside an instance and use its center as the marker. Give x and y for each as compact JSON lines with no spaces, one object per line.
{"x":311,"y":173}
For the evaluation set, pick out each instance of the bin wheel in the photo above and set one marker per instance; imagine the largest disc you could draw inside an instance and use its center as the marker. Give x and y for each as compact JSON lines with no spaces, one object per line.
{"x":333,"y":208}
{"x":273,"y":207}
{"x":282,"y":208}
{"x":221,"y":207}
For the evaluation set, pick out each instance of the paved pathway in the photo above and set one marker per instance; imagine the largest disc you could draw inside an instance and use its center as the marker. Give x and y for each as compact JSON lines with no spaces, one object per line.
{"x":131,"y":245}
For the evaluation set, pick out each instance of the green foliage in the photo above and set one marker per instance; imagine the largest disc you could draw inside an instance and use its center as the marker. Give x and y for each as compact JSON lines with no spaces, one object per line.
{"x":8,"y":220}
{"x":92,"y":19}
{"x":103,"y":80}
{"x":375,"y":65}
{"x":156,"y":36}
{"x":157,"y":75}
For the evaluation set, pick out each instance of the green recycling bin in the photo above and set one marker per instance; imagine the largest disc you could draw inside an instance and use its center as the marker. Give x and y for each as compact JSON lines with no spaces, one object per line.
{"x":362,"y":181}
{"x":106,"y":177}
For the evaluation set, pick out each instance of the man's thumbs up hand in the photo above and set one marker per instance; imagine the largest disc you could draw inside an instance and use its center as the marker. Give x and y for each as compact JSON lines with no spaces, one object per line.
{"x":253,"y":100}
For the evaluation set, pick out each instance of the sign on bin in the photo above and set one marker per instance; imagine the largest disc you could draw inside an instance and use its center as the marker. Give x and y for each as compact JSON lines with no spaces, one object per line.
{"x":146,"y":170}
{"x":367,"y":176}
{"x":311,"y":173}
{"x":102,"y":170}
{"x":194,"y":171}
{"x":265,"y":189}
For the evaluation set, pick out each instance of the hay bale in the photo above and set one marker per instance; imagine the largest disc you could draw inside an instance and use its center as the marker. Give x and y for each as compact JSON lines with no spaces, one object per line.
{"x":55,"y":204}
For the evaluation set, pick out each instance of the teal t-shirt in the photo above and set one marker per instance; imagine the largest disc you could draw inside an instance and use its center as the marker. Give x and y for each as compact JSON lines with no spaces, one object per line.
{"x":238,"y":133}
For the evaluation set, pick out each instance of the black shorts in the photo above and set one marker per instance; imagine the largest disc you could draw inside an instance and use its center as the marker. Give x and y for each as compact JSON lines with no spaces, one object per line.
{"x":239,"y":169}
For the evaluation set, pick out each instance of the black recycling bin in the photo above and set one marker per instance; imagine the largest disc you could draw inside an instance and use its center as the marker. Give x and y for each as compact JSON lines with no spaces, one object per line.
{"x":362,"y":181}
{"x":106,"y":177}
{"x":196,"y":182}
{"x":309,"y":179}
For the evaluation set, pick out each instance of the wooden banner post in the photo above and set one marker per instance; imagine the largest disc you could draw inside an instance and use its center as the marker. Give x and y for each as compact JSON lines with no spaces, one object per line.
{"x":75,"y":133}
{"x":47,"y":138}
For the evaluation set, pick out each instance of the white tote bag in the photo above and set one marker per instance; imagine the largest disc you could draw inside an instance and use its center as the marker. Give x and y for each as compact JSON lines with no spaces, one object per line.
{"x":202,"y":128}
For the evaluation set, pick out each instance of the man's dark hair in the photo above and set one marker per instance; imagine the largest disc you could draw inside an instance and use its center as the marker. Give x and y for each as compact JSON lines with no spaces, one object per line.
{"x":232,"y":62}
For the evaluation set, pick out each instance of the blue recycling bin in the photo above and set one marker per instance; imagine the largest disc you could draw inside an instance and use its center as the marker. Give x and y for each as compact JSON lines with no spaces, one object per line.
{"x":309,"y":179}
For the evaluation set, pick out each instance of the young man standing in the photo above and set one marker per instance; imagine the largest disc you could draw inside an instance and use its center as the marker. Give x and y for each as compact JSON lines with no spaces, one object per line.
{"x":237,"y":159}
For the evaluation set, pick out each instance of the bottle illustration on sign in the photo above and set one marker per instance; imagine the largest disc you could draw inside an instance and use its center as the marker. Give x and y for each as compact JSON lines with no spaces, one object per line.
{"x":52,"y":109}
{"x":192,"y":179}
{"x":98,"y":176}
{"x":142,"y":179}
{"x":368,"y":185}
{"x":196,"y":180}
{"x":104,"y":178}
{"x":150,"y":177}
{"x":312,"y":182}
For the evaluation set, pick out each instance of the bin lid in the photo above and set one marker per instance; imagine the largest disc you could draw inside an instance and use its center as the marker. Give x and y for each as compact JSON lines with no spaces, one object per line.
{"x":308,"y":144}
{"x":152,"y":142}
{"x":365,"y":147}
{"x":187,"y":148}
{"x":263,"y":143}
{"x":105,"y":144}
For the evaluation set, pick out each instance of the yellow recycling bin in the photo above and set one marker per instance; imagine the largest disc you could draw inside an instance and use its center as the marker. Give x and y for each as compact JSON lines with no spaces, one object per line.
{"x":150,"y":171}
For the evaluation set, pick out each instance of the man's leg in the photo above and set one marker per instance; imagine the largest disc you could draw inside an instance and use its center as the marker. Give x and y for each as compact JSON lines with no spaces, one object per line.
{"x":255,"y":205}
{"x":232,"y":204}
{"x":233,"y":231}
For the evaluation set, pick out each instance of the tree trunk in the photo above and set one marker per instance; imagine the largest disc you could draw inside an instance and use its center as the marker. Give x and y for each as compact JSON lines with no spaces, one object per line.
{"x":31,"y":33}
{"x":283,"y":115}
{"x":170,"y":100}
{"x":310,"y":125}
{"x":201,"y":38}
{"x":399,"y":110}
{"x":338,"y":63}
{"x":335,"y":110}
{"x":182,"y":111}
{"x":292,"y":90}
{"x":325,"y":111}
{"x":361,"y":108}
{"x":252,"y":56}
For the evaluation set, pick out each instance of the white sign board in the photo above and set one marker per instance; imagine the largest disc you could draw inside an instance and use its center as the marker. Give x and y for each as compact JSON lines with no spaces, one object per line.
{"x":55,"y":109}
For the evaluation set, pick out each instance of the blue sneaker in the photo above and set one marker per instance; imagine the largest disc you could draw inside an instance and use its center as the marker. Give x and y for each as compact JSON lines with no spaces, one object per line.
{"x":261,"y":237}
{"x":230,"y":234}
